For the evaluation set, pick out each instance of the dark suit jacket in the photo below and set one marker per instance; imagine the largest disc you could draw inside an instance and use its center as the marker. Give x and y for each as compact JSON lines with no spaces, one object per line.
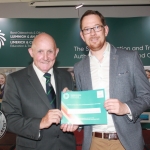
{"x":25,"y":103}
{"x":129,"y":84}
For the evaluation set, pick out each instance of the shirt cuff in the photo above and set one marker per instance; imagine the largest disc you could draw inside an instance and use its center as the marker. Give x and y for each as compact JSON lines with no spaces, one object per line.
{"x":39,"y":134}
{"x":129,"y":114}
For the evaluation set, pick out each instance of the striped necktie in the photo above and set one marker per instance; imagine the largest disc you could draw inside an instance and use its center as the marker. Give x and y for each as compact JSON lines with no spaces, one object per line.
{"x":50,"y":91}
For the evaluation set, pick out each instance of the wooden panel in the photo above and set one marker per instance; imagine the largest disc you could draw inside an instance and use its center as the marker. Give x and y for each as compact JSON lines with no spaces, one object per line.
{"x":8,"y":141}
{"x":146,"y":136}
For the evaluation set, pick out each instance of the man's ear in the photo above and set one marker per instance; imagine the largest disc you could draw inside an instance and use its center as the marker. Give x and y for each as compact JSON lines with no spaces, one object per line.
{"x":57,"y":50}
{"x":30,"y":52}
{"x":106,"y":30}
{"x":82,"y":36}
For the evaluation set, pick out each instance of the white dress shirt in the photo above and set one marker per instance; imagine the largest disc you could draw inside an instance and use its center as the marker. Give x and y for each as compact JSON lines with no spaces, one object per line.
{"x":42,"y":79}
{"x":100,"y":80}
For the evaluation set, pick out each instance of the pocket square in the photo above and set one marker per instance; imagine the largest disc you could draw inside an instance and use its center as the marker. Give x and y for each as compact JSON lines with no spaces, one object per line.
{"x":122,"y":73}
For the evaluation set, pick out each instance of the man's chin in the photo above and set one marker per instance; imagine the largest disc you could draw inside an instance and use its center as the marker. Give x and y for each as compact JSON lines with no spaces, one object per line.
{"x":45,"y":69}
{"x":96,"y":47}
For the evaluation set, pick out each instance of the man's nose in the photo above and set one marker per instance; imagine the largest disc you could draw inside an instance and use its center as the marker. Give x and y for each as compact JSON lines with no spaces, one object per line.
{"x":45,"y":56}
{"x":92,"y":32}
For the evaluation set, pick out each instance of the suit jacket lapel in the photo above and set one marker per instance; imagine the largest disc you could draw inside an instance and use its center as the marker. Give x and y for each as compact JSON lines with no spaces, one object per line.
{"x":87,"y":74}
{"x":33,"y":79}
{"x":113,"y":70}
{"x":58,"y":87}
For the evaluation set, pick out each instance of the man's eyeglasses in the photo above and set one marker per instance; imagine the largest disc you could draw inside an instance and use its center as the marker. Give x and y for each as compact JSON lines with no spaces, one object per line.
{"x":96,"y":29}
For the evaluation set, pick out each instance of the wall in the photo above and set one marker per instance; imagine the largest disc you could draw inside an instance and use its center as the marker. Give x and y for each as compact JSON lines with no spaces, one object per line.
{"x":23,"y":10}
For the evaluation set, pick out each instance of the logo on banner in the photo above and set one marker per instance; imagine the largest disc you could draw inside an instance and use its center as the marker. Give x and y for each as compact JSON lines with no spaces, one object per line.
{"x":2,"y":39}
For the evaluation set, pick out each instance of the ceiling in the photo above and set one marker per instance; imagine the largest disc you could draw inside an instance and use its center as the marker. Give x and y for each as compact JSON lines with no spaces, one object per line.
{"x":77,"y":2}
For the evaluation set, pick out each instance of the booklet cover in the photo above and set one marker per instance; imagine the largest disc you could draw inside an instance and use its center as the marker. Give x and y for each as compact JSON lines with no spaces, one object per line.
{"x":83,"y":107}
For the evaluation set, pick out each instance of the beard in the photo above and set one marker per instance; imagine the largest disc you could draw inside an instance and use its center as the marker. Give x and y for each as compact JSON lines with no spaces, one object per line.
{"x":96,"y":46}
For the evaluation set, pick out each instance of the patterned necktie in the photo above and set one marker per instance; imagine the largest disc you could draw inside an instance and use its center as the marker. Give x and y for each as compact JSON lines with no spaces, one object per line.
{"x":50,"y":91}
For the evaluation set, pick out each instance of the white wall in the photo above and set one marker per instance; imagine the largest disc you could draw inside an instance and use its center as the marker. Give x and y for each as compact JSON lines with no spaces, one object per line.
{"x":23,"y":10}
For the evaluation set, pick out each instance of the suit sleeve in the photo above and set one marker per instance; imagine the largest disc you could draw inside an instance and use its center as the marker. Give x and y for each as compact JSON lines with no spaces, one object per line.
{"x":141,"y":102}
{"x":12,"y":108}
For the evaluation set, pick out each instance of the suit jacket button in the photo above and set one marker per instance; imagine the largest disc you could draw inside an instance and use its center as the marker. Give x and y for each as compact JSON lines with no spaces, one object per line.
{"x":57,"y":136}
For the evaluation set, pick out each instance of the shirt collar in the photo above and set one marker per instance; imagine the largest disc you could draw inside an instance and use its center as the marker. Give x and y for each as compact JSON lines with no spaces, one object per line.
{"x":106,"y":52}
{"x":40,"y":73}
{"x":2,"y":86}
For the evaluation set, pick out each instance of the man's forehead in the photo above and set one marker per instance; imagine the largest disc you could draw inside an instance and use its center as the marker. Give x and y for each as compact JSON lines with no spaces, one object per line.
{"x":93,"y":19}
{"x":41,"y":42}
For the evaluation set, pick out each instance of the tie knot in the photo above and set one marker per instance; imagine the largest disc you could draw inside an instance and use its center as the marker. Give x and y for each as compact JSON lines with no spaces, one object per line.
{"x":47,"y":75}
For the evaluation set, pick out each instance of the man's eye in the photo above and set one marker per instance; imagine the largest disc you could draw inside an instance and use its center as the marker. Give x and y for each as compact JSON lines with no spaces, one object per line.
{"x":86,"y":30}
{"x":39,"y":51}
{"x":50,"y":51}
{"x":96,"y":27}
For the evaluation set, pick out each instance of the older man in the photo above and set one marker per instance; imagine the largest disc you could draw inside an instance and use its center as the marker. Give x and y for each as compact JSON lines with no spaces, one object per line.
{"x":31,"y":101}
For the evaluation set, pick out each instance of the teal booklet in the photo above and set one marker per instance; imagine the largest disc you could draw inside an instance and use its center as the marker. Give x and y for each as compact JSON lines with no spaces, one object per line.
{"x":83,"y":107}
